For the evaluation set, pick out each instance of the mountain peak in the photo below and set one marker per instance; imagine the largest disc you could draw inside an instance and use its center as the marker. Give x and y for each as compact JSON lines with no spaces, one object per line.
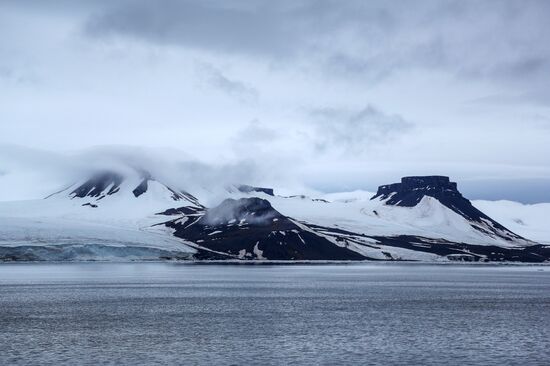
{"x":99,"y":185}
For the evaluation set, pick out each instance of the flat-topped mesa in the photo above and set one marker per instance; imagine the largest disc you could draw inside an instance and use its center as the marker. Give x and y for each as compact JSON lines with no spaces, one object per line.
{"x":429,"y":182}
{"x":411,"y":190}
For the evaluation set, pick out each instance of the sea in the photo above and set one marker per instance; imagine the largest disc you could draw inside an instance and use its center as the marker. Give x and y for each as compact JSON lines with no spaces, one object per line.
{"x":262,"y":314}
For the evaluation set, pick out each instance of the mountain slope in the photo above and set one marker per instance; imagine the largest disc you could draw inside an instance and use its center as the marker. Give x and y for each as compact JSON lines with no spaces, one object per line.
{"x":250,"y":228}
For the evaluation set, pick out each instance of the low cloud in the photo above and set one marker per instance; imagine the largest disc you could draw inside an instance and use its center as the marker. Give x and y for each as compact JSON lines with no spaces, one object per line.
{"x":31,"y":173}
{"x":255,"y":212}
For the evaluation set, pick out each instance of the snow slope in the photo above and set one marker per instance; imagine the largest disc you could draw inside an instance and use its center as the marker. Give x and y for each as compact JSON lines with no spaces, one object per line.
{"x":530,"y":221}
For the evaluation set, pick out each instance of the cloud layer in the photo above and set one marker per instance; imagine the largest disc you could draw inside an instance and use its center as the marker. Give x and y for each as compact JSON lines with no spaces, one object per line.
{"x":327,"y":94}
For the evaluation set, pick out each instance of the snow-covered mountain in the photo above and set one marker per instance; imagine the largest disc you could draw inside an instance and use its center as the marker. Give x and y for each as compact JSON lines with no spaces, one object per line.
{"x":107,"y":216}
{"x":111,"y":216}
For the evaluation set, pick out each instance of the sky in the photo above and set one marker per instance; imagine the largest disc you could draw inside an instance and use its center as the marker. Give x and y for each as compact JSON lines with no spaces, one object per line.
{"x":303,"y":95}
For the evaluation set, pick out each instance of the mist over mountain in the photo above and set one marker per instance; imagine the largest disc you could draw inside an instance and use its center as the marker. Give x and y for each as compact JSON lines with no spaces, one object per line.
{"x":22,"y":167}
{"x":32,"y":173}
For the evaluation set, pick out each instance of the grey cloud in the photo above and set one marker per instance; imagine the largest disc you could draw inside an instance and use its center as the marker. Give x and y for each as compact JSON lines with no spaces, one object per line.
{"x":535,"y":97}
{"x":501,"y":41}
{"x":6,"y":73}
{"x":228,"y":27}
{"x":260,"y":142}
{"x":541,"y":121}
{"x":233,"y":88}
{"x":12,"y":76}
{"x":255,"y":132}
{"x":356,"y":131}
{"x":525,"y":68}
{"x":277,"y":30}
{"x":374,"y":38}
{"x":385,"y":62}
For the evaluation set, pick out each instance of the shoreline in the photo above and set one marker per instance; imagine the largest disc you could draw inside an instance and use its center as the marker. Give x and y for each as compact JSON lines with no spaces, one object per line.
{"x":282,"y":262}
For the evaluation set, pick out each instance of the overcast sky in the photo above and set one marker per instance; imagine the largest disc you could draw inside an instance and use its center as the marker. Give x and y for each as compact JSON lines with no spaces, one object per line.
{"x":325,"y":95}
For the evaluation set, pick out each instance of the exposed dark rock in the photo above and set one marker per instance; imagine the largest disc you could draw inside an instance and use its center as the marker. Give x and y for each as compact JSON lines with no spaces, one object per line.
{"x":411,"y":190}
{"x":176,"y":195}
{"x":455,"y":251}
{"x":98,"y":184}
{"x":141,"y":188}
{"x":469,"y":252}
{"x":182,"y":195}
{"x":184,"y":210}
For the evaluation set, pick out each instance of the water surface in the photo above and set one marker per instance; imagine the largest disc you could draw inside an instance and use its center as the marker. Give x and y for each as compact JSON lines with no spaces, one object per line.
{"x":148,"y":313}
